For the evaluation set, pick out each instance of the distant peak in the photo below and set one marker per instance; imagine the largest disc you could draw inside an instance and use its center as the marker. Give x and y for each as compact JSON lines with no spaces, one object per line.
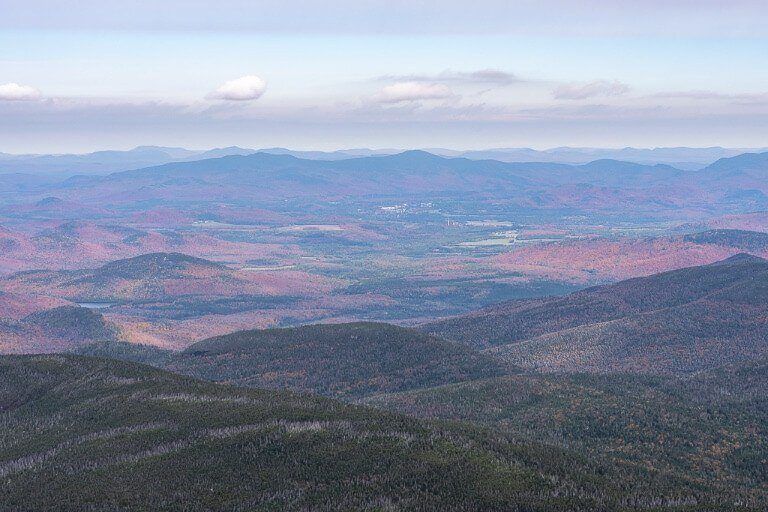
{"x":414,"y":155}
{"x":158,"y":261}
{"x":174,"y":257}
{"x":415,"y":152}
{"x":232,"y":148}
{"x":50,"y":201}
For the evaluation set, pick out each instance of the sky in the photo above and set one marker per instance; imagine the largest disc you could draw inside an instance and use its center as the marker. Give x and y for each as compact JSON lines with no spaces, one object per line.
{"x":78,"y":76}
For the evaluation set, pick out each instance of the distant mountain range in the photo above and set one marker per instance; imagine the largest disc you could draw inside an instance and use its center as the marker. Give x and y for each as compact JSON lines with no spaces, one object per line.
{"x":729,"y":185}
{"x":732,"y":185}
{"x":105,"y":162}
{"x":680,"y":157}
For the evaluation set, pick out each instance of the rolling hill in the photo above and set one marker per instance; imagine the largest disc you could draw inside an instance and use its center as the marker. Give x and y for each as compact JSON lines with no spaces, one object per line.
{"x":57,"y":243}
{"x":138,"y":439}
{"x":747,"y":241}
{"x":62,"y":328}
{"x":674,"y":322}
{"x":161,"y":276}
{"x":602,"y":260}
{"x":338,"y":360}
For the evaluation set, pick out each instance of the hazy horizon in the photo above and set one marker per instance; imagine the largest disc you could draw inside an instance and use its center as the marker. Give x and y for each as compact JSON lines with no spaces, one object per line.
{"x":340,"y":149}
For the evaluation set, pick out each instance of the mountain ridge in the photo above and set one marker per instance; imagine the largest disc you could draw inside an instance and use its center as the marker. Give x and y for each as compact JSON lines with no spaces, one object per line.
{"x":657,"y":323}
{"x":337,"y":360}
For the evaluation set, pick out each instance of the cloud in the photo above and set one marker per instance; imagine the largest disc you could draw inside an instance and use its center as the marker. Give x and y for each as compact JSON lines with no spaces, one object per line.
{"x":582,"y":91}
{"x":414,"y":91}
{"x":15,"y":92}
{"x":490,"y":76}
{"x":67,"y":124}
{"x":702,"y":95}
{"x":246,"y":88}
{"x":481,"y":76}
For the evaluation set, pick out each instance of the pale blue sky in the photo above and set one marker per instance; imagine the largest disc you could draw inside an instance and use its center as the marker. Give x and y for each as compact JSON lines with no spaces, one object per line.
{"x":383,"y":74}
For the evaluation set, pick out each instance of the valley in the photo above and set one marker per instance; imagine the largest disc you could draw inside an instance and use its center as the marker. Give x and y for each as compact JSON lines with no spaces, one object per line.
{"x":403,"y":238}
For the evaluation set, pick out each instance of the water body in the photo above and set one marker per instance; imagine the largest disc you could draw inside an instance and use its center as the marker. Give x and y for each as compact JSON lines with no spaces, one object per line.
{"x":95,"y":305}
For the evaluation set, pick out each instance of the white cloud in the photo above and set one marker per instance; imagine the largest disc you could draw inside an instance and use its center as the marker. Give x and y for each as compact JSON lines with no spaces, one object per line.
{"x":15,"y":92}
{"x":246,"y":88}
{"x":414,"y":91}
{"x":582,"y":91}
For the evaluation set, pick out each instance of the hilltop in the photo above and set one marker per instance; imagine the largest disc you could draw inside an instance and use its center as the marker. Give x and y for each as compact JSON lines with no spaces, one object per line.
{"x":340,"y":360}
{"x":153,"y":266}
{"x":62,"y":328}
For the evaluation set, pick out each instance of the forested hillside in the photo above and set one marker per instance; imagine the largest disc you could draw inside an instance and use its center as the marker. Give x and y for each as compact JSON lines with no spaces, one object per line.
{"x":652,"y":422}
{"x":341,"y":360}
{"x":676,"y":322}
{"x":140,"y":439}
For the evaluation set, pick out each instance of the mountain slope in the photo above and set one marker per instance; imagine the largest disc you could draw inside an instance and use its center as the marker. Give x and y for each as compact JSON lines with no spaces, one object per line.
{"x":16,"y":307}
{"x":741,"y":178}
{"x":140,"y":439}
{"x":71,"y":322}
{"x":734,"y":383}
{"x":745,"y":165}
{"x":520,"y":320}
{"x":675,"y":322}
{"x":661,"y":423}
{"x":341,"y":360}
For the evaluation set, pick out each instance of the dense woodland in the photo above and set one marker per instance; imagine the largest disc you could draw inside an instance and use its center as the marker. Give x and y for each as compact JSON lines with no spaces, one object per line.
{"x":137,"y":438}
{"x":673,"y":323}
{"x":343,"y":360}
